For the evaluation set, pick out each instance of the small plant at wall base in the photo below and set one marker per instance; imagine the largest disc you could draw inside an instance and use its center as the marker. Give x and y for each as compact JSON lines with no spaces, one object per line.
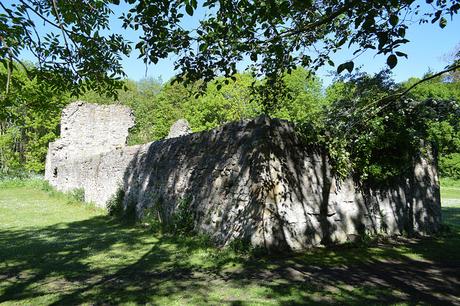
{"x":151,"y":219}
{"x":182,"y":219}
{"x":115,"y":203}
{"x":154,"y":216}
{"x":78,"y":194}
{"x":243,"y":246}
{"x":116,"y":208}
{"x":180,"y":222}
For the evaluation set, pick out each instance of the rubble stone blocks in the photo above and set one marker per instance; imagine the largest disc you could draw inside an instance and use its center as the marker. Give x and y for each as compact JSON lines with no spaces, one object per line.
{"x":180,"y":128}
{"x":253,"y":180}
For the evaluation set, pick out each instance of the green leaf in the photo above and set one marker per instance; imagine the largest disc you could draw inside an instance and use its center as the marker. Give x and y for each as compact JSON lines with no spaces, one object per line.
{"x":340,"y":68}
{"x":203,"y":47}
{"x":342,"y":41}
{"x":383,"y":39}
{"x":401,"y":54}
{"x":189,"y":9}
{"x":392,"y":61}
{"x":194,"y":4}
{"x":346,"y":66}
{"x":394,"y":20}
{"x":443,"y":22}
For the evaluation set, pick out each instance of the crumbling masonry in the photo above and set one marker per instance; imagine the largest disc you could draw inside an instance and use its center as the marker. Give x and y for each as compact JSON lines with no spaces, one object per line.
{"x":254,"y":180}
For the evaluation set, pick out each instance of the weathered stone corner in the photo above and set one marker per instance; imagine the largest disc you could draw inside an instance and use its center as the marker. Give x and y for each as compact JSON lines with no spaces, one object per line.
{"x":180,"y":128}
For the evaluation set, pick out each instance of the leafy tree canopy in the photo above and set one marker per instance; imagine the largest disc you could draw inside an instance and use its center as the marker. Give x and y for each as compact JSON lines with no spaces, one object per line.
{"x":69,"y":41}
{"x":275,"y":35}
{"x":29,"y":119}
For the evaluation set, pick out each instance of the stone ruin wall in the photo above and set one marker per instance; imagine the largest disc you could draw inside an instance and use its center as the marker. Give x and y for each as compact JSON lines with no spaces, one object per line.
{"x":89,"y":132}
{"x":253,"y":180}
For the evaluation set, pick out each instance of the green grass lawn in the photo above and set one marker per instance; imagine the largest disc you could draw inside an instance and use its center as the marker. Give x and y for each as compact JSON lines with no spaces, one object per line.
{"x":450,"y":199}
{"x":55,"y":252}
{"x":450,"y":193}
{"x":450,"y":190}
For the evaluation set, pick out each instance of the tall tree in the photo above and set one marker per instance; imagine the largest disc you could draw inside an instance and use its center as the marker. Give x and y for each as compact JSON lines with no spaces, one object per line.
{"x":29,"y":119}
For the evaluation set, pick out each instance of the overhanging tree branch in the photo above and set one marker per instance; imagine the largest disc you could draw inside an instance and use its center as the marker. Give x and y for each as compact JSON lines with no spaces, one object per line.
{"x":452,"y":68}
{"x":47,"y":20}
{"x":390,"y":98}
{"x":64,"y":36}
{"x":329,"y":18}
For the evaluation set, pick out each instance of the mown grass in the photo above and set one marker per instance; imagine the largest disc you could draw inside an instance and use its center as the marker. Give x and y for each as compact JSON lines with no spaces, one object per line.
{"x":450,"y":199}
{"x":450,"y":192}
{"x":55,"y":250}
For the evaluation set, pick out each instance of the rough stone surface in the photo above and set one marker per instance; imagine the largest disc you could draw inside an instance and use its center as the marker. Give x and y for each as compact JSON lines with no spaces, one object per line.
{"x":87,"y":132}
{"x":253,"y":180}
{"x":180,"y":128}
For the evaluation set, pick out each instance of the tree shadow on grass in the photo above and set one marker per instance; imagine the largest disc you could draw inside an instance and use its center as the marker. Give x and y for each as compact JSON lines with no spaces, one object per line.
{"x":451,"y":216}
{"x":61,"y":261}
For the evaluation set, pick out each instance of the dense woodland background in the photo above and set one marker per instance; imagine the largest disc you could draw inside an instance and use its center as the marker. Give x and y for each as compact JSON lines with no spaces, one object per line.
{"x":368,"y":124}
{"x":363,"y":130}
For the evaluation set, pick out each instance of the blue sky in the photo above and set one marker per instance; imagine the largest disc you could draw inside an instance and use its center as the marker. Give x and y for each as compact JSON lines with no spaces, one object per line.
{"x":426,"y":51}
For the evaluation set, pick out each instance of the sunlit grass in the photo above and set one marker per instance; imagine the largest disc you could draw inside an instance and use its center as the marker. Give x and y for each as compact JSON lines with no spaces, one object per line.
{"x":450,"y":191}
{"x":56,"y":250}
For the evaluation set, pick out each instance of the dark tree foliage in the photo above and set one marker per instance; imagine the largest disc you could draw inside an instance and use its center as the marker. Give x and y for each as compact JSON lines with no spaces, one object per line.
{"x":68,"y":40}
{"x":275,"y":35}
{"x":377,"y":138}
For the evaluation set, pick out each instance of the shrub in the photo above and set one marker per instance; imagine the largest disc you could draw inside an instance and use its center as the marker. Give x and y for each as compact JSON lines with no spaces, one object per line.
{"x":182,"y":218}
{"x":179,"y":222}
{"x":116,"y":207}
{"x":450,"y":165}
{"x":78,"y":195}
{"x":115,"y":203}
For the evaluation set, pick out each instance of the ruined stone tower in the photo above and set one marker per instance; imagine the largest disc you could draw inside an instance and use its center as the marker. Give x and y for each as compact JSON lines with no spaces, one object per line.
{"x":254,"y":180}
